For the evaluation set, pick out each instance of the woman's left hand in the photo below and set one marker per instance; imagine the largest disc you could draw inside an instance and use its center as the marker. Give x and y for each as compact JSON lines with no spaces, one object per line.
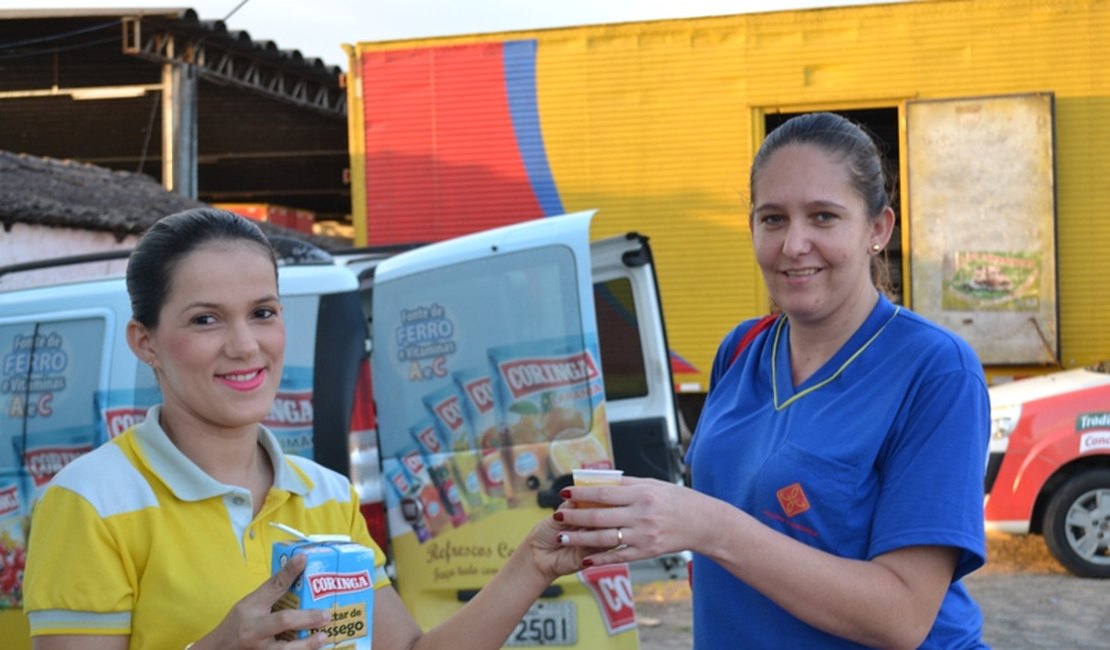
{"x":550,"y":555}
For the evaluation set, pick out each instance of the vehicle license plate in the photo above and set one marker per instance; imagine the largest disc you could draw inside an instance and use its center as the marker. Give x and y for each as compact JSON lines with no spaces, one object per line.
{"x":546,"y":623}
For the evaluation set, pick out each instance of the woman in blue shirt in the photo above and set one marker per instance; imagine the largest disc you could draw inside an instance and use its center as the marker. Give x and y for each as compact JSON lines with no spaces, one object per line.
{"x":838,"y":462}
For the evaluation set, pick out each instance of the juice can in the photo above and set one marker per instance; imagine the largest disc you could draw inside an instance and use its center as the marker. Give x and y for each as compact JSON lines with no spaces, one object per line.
{"x":338,"y":577}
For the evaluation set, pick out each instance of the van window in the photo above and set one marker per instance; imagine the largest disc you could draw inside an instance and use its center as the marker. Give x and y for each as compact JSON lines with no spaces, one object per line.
{"x":51,"y":371}
{"x":618,"y":333}
{"x":452,"y":316}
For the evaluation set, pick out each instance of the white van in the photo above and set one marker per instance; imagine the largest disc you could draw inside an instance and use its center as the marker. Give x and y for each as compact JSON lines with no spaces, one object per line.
{"x":69,"y":383}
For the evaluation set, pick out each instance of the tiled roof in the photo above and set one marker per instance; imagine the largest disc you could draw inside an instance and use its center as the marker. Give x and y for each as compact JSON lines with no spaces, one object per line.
{"x":69,"y":194}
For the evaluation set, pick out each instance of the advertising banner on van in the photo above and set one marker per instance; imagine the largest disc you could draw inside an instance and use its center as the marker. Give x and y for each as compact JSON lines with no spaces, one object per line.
{"x":488,"y":383}
{"x":48,"y":371}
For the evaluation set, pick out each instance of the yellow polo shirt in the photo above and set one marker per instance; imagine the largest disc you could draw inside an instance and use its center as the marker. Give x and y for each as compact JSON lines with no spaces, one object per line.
{"x":133,"y":538}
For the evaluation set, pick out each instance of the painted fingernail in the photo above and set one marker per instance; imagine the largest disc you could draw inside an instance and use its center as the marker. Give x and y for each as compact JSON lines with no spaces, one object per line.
{"x":564,"y":539}
{"x":558,"y":516}
{"x":587,"y":563}
{"x":565,"y":493}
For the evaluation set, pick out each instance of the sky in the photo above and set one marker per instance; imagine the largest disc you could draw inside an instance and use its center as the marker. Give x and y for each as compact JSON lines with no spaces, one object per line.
{"x":318,"y":27}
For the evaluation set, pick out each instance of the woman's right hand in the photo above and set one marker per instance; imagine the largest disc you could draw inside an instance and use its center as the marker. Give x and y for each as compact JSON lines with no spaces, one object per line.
{"x":653,"y":518}
{"x":252,"y":624}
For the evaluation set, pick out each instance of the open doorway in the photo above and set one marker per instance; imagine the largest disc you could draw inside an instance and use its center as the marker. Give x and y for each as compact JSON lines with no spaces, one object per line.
{"x":882,"y":124}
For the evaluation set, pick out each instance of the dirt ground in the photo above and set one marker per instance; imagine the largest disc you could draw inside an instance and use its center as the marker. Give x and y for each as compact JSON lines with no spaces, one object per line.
{"x":1028,"y":602}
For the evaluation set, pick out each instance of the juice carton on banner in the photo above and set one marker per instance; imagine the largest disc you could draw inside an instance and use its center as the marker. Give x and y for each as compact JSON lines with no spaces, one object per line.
{"x":13,"y":543}
{"x":45,"y":452}
{"x":438,"y":462}
{"x":291,"y":415}
{"x":435,"y":512}
{"x":479,"y":408}
{"x":445,"y":406}
{"x":549,"y":392}
{"x":402,"y":497}
{"x":338,"y":577}
{"x":611,"y":586}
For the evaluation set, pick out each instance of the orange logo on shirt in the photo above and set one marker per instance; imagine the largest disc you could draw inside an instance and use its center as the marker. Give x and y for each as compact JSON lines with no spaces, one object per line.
{"x":793,"y":499}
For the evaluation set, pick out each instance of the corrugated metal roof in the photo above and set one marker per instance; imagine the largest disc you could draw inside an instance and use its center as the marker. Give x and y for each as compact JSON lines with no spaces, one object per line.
{"x":182,"y":18}
{"x":252,"y":146}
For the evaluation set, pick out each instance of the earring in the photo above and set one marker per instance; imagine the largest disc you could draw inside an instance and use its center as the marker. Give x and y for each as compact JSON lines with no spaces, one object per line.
{"x":875,"y":248}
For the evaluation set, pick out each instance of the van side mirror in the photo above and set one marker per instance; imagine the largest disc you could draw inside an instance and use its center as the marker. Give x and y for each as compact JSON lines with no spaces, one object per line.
{"x":550,"y":498}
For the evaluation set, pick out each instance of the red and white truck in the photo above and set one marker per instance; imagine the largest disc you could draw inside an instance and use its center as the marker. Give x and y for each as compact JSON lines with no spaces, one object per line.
{"x":1049,"y":466}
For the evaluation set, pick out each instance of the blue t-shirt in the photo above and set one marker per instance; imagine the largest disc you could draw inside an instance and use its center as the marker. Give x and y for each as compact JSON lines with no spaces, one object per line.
{"x":884,"y":447}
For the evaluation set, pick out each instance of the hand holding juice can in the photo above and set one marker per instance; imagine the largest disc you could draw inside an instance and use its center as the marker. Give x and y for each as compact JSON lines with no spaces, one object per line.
{"x":338,"y":577}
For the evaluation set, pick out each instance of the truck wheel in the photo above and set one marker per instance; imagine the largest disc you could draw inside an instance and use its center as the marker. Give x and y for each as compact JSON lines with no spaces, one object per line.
{"x":1077,"y":524}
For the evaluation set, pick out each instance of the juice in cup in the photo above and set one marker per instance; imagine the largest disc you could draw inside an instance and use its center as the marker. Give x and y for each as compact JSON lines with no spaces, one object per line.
{"x":594,"y":478}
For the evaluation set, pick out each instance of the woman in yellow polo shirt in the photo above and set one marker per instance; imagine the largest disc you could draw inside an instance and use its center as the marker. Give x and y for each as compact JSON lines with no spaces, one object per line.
{"x":162,"y":537}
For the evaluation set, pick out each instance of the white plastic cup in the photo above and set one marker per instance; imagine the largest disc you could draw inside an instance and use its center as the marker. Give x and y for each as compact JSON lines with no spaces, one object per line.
{"x":595,"y":478}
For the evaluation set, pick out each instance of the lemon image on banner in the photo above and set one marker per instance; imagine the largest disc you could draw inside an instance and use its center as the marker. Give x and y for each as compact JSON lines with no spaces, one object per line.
{"x":574,"y":448}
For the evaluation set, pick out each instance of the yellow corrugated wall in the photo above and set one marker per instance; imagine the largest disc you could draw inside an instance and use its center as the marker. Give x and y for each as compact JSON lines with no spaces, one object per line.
{"x":654,"y":124}
{"x":646,"y":126}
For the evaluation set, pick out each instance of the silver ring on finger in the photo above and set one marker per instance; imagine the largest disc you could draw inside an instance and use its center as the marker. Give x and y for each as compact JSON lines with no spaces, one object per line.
{"x":620,"y":541}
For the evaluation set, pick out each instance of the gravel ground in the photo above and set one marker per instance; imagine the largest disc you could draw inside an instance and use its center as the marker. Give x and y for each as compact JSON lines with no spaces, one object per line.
{"x":1028,"y":601}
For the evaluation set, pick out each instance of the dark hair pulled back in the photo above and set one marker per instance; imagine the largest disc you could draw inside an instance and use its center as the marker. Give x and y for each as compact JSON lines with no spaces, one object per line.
{"x":151,"y":266}
{"x":841,"y":137}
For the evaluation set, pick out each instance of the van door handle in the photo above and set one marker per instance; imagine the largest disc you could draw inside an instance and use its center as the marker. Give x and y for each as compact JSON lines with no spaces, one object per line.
{"x":465,"y":595}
